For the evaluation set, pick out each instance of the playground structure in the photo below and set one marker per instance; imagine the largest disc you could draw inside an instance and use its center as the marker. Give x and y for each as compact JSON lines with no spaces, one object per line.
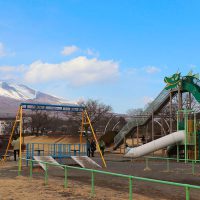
{"x":186,"y":136}
{"x":54,"y":150}
{"x":185,"y":139}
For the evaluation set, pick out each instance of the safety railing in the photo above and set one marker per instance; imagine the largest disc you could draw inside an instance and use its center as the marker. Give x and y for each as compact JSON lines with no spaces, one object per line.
{"x":192,"y":163}
{"x":130,"y":178}
{"x":56,"y":150}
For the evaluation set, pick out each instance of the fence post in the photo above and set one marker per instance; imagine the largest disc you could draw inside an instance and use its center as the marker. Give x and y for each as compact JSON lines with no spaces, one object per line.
{"x":27,"y":154}
{"x":187,"y":193}
{"x":31,"y":168}
{"x":193,"y":172}
{"x":147,"y":164}
{"x":65,"y":182}
{"x":19,"y":170}
{"x":46,"y":174}
{"x":92,"y":184}
{"x":167,"y":165}
{"x":130,"y":188}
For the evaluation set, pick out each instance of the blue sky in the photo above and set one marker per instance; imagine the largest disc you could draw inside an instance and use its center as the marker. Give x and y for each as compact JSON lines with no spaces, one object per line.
{"x":115,"y":51}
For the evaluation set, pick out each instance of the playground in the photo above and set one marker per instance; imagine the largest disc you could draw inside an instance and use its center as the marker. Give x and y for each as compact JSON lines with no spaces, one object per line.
{"x":166,"y":165}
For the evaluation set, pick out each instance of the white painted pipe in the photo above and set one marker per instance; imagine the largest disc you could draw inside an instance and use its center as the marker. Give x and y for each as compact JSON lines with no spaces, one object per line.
{"x":155,"y":145}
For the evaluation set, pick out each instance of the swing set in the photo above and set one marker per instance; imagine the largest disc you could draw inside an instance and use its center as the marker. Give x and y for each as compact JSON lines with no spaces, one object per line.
{"x":85,"y":124}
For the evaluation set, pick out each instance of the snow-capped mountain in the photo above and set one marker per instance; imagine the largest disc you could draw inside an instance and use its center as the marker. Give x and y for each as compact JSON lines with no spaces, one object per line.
{"x":12,"y":94}
{"x":15,"y":91}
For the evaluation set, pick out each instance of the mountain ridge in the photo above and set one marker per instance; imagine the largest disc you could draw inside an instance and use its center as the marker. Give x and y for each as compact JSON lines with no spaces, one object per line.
{"x":12,"y":94}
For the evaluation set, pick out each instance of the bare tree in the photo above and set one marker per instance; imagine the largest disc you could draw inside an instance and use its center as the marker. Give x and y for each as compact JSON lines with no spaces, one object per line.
{"x":98,"y":112}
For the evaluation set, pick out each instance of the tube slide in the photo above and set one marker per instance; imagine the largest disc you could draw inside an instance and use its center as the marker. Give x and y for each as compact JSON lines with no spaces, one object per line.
{"x":155,"y":145}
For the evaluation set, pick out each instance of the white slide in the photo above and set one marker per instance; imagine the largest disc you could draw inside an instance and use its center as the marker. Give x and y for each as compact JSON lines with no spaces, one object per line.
{"x":49,"y":159}
{"x":155,"y":145}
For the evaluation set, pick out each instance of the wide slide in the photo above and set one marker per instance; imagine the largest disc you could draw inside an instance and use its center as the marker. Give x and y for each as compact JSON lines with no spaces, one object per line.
{"x":155,"y":145}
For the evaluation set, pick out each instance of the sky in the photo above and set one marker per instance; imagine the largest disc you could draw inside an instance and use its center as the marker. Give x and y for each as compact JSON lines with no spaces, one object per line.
{"x":117,"y":52}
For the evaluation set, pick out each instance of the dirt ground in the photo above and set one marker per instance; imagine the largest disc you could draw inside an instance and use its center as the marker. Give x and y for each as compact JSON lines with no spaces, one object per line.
{"x":106,"y":187}
{"x":13,"y":187}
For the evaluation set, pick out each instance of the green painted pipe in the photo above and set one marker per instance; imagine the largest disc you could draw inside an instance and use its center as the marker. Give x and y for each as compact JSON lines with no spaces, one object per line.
{"x":31,"y":168}
{"x":92,"y":184}
{"x":186,"y":186}
{"x":130,"y":188}
{"x":66,"y":179}
{"x":46,"y":173}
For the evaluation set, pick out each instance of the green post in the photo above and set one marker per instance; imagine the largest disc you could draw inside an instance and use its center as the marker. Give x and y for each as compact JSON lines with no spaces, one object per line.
{"x":130,"y":188}
{"x":19,"y":169}
{"x":31,"y":168}
{"x":187,"y":193}
{"x":195,"y":138}
{"x":167,"y":165}
{"x":92,"y":184}
{"x":46,"y":174}
{"x":193,"y":172}
{"x":186,"y":135}
{"x":65,"y":182}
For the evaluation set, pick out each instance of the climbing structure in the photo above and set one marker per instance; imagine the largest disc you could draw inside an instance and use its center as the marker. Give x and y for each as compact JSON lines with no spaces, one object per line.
{"x":184,"y":139}
{"x":175,"y":85}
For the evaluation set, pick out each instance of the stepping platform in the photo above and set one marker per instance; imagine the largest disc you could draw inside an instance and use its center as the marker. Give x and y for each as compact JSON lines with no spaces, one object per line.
{"x":85,"y":162}
{"x":48,"y":159}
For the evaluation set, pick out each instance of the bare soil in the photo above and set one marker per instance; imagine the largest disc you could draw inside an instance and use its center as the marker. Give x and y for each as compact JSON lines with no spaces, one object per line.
{"x":106,"y":187}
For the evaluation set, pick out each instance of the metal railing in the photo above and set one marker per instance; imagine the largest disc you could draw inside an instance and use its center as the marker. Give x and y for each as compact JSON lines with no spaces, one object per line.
{"x":56,"y":150}
{"x":191,"y":162}
{"x":130,"y":178}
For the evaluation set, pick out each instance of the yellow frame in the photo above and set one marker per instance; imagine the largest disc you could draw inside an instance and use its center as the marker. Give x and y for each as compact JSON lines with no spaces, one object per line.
{"x":19,"y":118}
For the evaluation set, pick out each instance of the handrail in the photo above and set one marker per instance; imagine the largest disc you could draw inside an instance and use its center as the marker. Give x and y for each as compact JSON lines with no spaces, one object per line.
{"x":166,"y":158}
{"x":129,"y":177}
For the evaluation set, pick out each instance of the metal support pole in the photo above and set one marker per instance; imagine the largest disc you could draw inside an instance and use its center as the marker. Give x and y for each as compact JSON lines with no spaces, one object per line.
{"x":82,"y":128}
{"x":92,"y":184}
{"x":195,"y":138}
{"x":130,"y":188}
{"x":186,"y":135}
{"x":179,"y":99}
{"x":190,"y":101}
{"x":46,"y":174}
{"x":187,"y":193}
{"x":152,"y":127}
{"x":146,"y":136}
{"x":12,"y":132}
{"x":31,"y":168}
{"x":20,"y":141}
{"x":95,"y":138}
{"x":65,"y":181}
{"x":170,"y":111}
{"x":147,"y":168}
{"x":137,"y":135}
{"x":167,"y":165}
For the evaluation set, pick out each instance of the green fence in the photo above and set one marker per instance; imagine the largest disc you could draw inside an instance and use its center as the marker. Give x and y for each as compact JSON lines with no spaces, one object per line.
{"x":192,"y":163}
{"x":129,"y":178}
